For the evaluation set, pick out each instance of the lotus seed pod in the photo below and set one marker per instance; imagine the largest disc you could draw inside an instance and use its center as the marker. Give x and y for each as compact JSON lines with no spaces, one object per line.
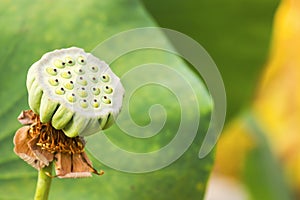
{"x":75,"y":91}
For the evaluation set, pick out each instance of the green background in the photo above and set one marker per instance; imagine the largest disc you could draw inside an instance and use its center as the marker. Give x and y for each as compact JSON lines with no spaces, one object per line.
{"x":236,"y":33}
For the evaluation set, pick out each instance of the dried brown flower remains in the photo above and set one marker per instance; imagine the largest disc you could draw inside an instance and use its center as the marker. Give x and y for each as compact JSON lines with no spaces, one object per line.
{"x":39,"y":144}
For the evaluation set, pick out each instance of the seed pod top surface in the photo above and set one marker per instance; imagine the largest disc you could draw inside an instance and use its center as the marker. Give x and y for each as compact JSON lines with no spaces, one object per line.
{"x":74,"y":90}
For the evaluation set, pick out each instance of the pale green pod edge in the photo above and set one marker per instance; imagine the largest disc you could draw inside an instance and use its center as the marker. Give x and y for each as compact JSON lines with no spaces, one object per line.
{"x":61,"y":117}
{"x":47,"y":108}
{"x":76,"y":125}
{"x":31,"y":76}
{"x":92,"y":127}
{"x":34,"y":97}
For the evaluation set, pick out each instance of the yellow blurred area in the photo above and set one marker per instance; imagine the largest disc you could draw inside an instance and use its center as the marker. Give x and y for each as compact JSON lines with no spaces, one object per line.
{"x":232,"y":149}
{"x":276,"y":105}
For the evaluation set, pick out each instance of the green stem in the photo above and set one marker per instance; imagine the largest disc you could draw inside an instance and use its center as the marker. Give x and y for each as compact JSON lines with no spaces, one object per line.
{"x":43,"y":183}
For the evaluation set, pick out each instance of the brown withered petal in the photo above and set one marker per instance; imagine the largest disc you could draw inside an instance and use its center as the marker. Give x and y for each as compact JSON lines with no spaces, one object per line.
{"x":27,"y":117}
{"x":43,"y":155}
{"x":72,"y":166}
{"x":22,"y":149}
{"x":40,"y":144}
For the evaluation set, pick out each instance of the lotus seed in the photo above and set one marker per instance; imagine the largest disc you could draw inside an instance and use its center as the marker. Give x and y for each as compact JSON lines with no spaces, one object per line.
{"x":69,"y":61}
{"x":71,"y":98}
{"x":58,"y":64}
{"x":53,"y":82}
{"x":96,"y":91}
{"x":83,"y":104}
{"x":105,"y":78}
{"x":82,"y":93}
{"x":81,"y":81}
{"x":81,"y":60}
{"x":60,"y":91}
{"x":106,"y":100}
{"x":51,"y":71}
{"x":66,"y":74}
{"x":69,"y":85}
{"x":94,"y":69}
{"x":95,"y":103}
{"x":108,"y":90}
{"x":93,"y":79}
{"x":79,"y":71}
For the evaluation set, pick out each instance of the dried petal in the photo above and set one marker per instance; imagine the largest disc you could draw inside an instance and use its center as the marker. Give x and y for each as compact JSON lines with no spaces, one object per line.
{"x":43,"y":156}
{"x":63,"y":164}
{"x":22,"y":149}
{"x":27,"y":117}
{"x":73,"y":166}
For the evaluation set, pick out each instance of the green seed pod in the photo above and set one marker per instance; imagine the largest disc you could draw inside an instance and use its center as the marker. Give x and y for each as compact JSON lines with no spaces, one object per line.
{"x":75,"y":91}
